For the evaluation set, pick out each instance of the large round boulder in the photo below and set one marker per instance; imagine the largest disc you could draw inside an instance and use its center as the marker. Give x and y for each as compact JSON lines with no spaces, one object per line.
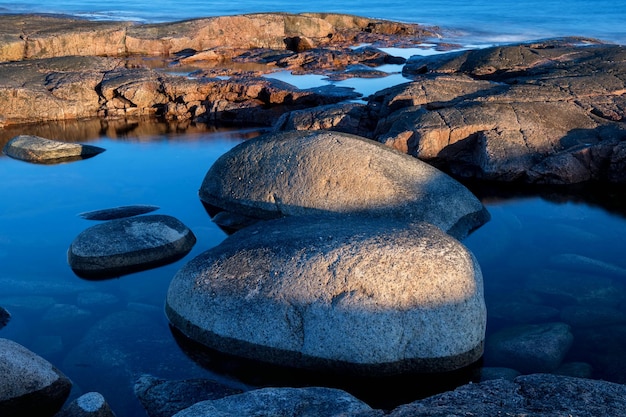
{"x":339,"y":293}
{"x":41,"y":150}
{"x":30,"y":385}
{"x":302,"y":173}
{"x":121,"y":246}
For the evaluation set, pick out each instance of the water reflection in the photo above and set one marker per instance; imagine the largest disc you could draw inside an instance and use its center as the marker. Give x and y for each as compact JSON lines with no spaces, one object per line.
{"x":116,"y":329}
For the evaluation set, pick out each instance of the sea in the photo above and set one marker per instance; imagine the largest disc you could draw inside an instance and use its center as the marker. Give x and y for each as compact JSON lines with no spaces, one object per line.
{"x":547,"y":255}
{"x":472,"y":20}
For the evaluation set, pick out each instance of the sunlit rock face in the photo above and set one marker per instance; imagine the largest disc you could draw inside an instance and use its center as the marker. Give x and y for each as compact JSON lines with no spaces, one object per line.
{"x":41,"y":150}
{"x":303,"y":173}
{"x":121,"y":246}
{"x":360,"y":295}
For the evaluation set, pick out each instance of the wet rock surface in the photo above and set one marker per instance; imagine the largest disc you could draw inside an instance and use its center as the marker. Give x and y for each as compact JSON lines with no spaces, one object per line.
{"x":118,"y":212}
{"x":302,"y":173}
{"x":41,"y":150}
{"x":30,"y":385}
{"x":358,"y":295}
{"x":121,"y":246}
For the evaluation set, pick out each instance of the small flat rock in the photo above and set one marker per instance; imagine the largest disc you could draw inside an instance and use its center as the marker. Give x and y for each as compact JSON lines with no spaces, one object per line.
{"x":91,"y":404}
{"x":41,"y":150}
{"x":118,"y":212}
{"x":352,"y":294}
{"x":30,"y":385}
{"x":128,"y":245}
{"x":288,"y":402}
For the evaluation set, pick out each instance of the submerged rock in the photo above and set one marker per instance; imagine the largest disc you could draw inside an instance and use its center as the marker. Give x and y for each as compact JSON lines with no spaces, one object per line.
{"x":163,"y":398}
{"x":530,"y":348}
{"x":118,"y":212}
{"x":363,"y":296}
{"x":41,"y":150}
{"x":122,"y":246}
{"x":303,"y":173}
{"x":5,"y":316}
{"x":292,"y":402}
{"x":30,"y":385}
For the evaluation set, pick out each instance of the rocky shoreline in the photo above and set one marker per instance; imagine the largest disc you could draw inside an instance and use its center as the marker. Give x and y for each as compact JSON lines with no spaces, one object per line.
{"x":549,"y":112}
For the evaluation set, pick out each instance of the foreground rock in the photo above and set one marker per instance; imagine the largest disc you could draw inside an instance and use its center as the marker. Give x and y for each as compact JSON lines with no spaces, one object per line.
{"x":540,"y":395}
{"x":302,"y":173}
{"x":162,"y":398}
{"x":127,"y":245}
{"x":41,"y":150}
{"x":352,"y":294}
{"x":30,"y":385}
{"x":292,"y":402}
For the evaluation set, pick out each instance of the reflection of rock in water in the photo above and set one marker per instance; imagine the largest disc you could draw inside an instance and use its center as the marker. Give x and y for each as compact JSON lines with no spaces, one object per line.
{"x":381,"y":392}
{"x":5,"y":316}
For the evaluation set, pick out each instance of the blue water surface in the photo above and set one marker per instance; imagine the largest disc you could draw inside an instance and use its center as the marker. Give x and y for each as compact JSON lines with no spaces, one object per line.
{"x":485,"y":21}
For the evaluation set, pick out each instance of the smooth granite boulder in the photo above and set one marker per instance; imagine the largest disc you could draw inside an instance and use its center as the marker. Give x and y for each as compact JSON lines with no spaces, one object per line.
{"x":358,"y":295}
{"x":128,"y":245}
{"x":29,"y":385}
{"x":303,"y":173}
{"x":288,"y":402}
{"x":41,"y":150}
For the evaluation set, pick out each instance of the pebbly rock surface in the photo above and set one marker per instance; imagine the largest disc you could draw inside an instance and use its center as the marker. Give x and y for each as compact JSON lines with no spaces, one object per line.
{"x":540,"y":395}
{"x":30,"y":385}
{"x":41,"y":150}
{"x":292,"y":402}
{"x":363,"y":296}
{"x":303,"y":173}
{"x":163,"y":398}
{"x":91,"y":404}
{"x":121,"y":246}
{"x":530,"y":348}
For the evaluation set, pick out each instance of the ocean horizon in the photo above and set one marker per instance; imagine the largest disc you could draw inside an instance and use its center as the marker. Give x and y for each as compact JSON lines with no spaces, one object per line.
{"x":482,"y":22}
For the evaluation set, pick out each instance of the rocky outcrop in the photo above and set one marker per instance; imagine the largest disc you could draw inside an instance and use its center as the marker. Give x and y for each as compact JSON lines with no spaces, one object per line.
{"x":30,"y":385}
{"x":121,"y":246}
{"x":47,"y":151}
{"x":301,"y":173}
{"x":358,"y":295}
{"x":540,"y":395}
{"x":41,"y":36}
{"x":549,"y":112}
{"x":293,"y":402}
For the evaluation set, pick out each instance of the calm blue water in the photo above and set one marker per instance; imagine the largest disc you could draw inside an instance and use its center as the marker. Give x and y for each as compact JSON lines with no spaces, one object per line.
{"x":484,"y":21}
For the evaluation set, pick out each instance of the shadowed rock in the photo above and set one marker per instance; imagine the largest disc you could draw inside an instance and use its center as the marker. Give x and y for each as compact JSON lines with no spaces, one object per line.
{"x":363,"y":296}
{"x":5,"y":316}
{"x":30,"y":385}
{"x":302,"y":173}
{"x":127,"y":245}
{"x":118,"y":212}
{"x":292,"y":402}
{"x":40,"y":150}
